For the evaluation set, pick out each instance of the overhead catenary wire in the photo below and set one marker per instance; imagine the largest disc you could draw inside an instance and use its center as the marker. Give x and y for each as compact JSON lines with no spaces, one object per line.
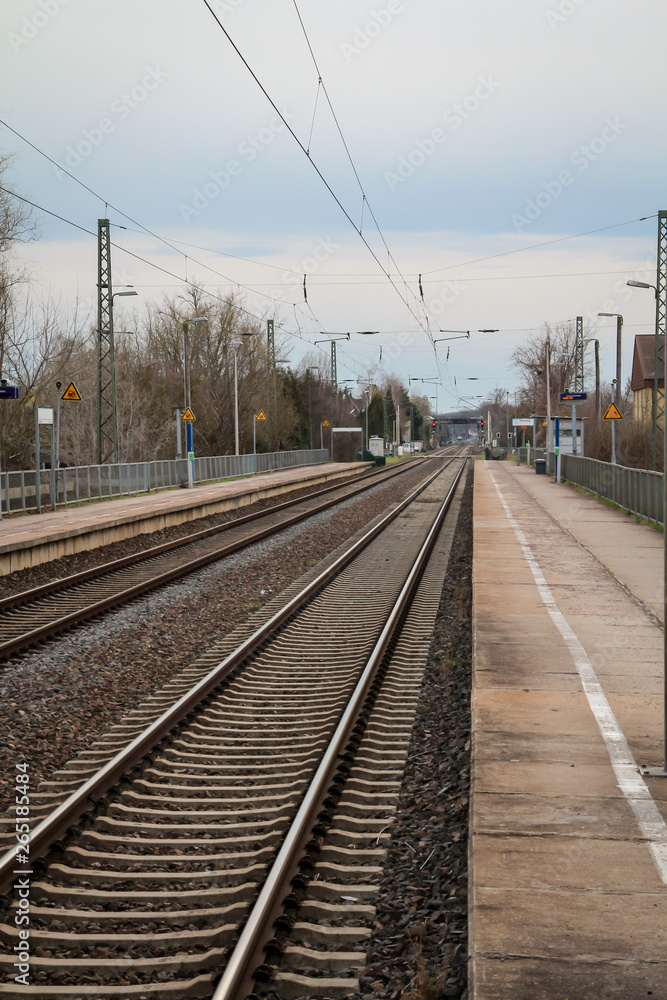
{"x":537,"y":246}
{"x":136,"y":256}
{"x":325,"y":282}
{"x":311,"y":160}
{"x":142,"y":229}
{"x":421,"y":277}
{"x":364,"y":203}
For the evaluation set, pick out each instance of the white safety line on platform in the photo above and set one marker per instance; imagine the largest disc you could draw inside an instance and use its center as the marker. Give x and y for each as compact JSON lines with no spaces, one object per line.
{"x":630,"y":781}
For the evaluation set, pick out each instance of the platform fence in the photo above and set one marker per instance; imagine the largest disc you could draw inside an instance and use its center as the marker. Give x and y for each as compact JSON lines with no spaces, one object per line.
{"x":18,"y":488}
{"x":639,"y":491}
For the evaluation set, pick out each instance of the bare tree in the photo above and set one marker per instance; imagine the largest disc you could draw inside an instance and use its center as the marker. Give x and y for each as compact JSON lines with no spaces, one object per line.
{"x":531,"y":361}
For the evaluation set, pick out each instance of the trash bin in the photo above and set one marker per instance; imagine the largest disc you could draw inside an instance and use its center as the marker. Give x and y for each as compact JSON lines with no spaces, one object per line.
{"x":541,"y":466}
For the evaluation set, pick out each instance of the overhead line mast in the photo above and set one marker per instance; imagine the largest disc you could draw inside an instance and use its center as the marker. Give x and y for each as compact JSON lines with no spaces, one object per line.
{"x":107,"y":427}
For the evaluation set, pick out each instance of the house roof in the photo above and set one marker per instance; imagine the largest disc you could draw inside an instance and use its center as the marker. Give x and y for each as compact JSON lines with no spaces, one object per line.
{"x":643,"y":362}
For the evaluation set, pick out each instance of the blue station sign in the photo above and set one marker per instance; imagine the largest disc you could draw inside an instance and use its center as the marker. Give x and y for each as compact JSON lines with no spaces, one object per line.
{"x":572,"y":397}
{"x":9,"y":392}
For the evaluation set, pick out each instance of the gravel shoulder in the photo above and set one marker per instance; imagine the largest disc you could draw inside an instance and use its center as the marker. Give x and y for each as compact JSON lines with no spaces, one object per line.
{"x":418,"y":946}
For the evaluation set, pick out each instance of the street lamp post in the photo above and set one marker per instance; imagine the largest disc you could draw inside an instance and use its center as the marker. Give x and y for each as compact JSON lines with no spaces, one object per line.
{"x":235,"y":345}
{"x":617,"y":380}
{"x":613,"y":435}
{"x":654,"y":400}
{"x":189,"y":437}
{"x":186,"y":357}
{"x":107,"y":393}
{"x":368,"y":393}
{"x":311,"y":368}
{"x":660,"y":771}
{"x":507,"y":425}
{"x":619,"y":330}
{"x":592,"y":340}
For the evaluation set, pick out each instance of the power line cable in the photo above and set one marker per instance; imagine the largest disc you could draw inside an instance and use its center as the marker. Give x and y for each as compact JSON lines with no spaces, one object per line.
{"x":364,"y":202}
{"x":136,"y":256}
{"x":222,"y":253}
{"x":142,"y":229}
{"x":535,"y":246}
{"x":310,"y":159}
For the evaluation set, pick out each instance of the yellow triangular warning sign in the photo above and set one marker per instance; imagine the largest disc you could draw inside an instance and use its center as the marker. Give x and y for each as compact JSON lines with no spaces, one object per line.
{"x":188,"y":415}
{"x":325,"y":423}
{"x":71,"y":392}
{"x":261,"y":415}
{"x":612,"y":413}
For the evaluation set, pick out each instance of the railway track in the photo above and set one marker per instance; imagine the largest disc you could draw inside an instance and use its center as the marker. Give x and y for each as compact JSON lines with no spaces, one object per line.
{"x":236,"y":820}
{"x":35,"y":615}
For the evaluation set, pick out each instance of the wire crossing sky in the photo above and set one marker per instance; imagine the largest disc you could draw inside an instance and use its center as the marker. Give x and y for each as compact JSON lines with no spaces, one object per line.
{"x":497,"y":166}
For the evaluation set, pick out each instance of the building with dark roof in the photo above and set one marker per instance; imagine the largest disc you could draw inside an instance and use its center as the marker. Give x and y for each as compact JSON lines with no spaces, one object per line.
{"x":643,"y":369}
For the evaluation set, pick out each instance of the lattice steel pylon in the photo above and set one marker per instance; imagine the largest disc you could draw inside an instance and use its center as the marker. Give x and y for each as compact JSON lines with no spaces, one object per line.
{"x":107,"y":428}
{"x":271,"y":342}
{"x":271,"y":371}
{"x":658,"y":404}
{"x":579,"y":355}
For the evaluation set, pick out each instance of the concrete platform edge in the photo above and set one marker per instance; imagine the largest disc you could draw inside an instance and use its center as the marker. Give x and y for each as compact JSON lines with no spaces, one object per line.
{"x":72,"y":539}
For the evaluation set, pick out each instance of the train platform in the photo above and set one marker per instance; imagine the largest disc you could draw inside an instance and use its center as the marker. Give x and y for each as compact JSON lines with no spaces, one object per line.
{"x":30,"y":539}
{"x":568,"y":839}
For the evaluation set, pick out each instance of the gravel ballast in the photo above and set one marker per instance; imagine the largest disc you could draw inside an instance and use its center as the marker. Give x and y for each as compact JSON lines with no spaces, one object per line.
{"x":35,"y":576}
{"x":418,"y":947}
{"x":57,"y":700}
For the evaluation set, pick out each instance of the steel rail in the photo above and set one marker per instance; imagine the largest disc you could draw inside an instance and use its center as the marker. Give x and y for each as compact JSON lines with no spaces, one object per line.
{"x":55,"y":626}
{"x":237,"y":980}
{"x":68,"y":812}
{"x":65,"y":582}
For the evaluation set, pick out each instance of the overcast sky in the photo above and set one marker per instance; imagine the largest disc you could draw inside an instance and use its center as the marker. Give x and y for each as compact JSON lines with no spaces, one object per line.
{"x":482,"y":135}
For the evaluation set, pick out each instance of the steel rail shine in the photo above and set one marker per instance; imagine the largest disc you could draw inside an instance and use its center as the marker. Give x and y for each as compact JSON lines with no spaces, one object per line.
{"x":68,"y":812}
{"x":236,"y":981}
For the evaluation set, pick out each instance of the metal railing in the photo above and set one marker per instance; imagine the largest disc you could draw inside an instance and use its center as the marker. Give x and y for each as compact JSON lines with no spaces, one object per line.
{"x":18,"y":489}
{"x":637,"y":490}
